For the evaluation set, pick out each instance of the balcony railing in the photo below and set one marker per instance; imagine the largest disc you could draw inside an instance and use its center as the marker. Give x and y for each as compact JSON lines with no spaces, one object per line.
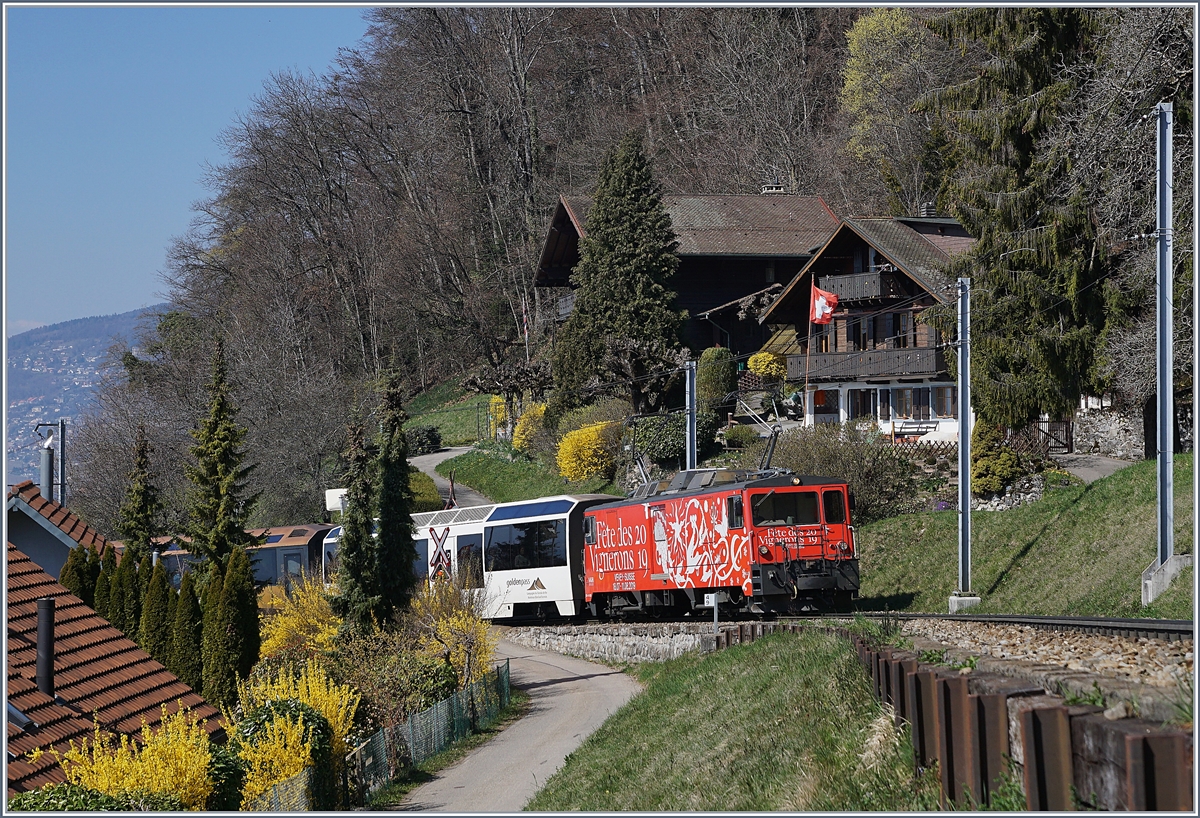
{"x":861,"y":286}
{"x":873,"y":363}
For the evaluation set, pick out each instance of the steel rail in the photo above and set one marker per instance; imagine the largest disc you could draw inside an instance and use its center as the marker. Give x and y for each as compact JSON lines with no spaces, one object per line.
{"x":1171,"y":630}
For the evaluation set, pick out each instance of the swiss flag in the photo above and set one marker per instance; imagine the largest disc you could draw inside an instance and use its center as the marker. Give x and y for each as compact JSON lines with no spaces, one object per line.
{"x":823,"y":305}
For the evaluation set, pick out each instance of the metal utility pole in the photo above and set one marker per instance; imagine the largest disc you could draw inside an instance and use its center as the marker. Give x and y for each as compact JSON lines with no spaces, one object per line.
{"x":1166,"y":347}
{"x":690,"y":369}
{"x":48,"y":482}
{"x":963,"y":598}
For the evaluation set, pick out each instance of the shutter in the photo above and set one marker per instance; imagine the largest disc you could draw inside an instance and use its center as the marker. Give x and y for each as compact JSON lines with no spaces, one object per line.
{"x":921,"y":399}
{"x":885,"y":404}
{"x":889,"y":329}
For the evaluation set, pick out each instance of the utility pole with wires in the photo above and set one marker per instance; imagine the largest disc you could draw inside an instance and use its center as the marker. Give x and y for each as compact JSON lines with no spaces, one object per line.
{"x":47,"y":477}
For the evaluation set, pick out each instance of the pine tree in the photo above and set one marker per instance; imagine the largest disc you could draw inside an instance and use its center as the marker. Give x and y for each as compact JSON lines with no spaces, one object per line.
{"x":219,"y":503}
{"x":394,"y":549}
{"x":140,"y":511}
{"x":145,"y":569}
{"x":238,"y":587}
{"x":153,"y":630}
{"x":91,"y":577}
{"x":131,"y":592}
{"x":1037,"y":316}
{"x":355,"y":602}
{"x":186,"y":641}
{"x":219,"y":662}
{"x":624,"y":326}
{"x":172,"y":603}
{"x":108,"y":569}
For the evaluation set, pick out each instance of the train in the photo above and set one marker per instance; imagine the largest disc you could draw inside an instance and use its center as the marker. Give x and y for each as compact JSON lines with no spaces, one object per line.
{"x":760,"y":542}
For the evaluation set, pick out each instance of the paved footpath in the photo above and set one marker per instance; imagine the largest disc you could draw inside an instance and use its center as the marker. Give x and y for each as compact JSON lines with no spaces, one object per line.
{"x":570,"y":698}
{"x":464,"y":495}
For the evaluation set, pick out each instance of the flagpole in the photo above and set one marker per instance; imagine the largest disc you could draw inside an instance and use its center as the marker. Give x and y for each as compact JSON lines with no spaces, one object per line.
{"x":812,"y":296}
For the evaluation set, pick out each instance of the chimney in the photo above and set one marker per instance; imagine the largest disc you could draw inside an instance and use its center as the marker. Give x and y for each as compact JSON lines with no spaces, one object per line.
{"x":928,"y":210}
{"x":47,"y":476}
{"x":772,"y":187}
{"x":45,"y":645}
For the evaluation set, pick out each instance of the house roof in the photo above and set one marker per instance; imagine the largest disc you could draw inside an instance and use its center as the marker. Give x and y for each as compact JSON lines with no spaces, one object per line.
{"x":774,"y":225}
{"x":49,"y":724}
{"x":97,"y":669}
{"x":54,"y":517}
{"x":909,"y":244}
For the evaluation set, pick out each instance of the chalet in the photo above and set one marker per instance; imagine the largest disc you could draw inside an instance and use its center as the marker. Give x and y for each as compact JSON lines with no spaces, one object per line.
{"x":875,"y":360}
{"x":67,"y":666}
{"x":731,"y":248}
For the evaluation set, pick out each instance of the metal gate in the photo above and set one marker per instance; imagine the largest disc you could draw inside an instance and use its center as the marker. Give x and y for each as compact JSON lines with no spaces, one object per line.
{"x":1058,"y":435}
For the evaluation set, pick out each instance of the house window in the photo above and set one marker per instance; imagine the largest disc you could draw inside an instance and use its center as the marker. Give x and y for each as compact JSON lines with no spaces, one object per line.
{"x":822,"y":339}
{"x":945,"y":401}
{"x":903,"y":324}
{"x":902,"y":403}
{"x":825,"y":402}
{"x":861,"y":403}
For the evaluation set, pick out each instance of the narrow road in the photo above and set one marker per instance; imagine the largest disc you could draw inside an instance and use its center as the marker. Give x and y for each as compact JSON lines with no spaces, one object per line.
{"x":570,"y":698}
{"x":427,"y":462}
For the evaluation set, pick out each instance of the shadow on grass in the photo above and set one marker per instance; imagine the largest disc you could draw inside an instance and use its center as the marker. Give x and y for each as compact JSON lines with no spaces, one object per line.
{"x":891,"y":602}
{"x":1025,"y":549}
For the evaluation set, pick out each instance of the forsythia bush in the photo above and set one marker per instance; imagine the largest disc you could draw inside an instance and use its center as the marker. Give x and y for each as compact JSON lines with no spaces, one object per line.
{"x":449,"y":627}
{"x":588,"y":452}
{"x":529,"y":425}
{"x":172,"y":759}
{"x":498,"y":412}
{"x":281,"y":752}
{"x":303,"y":618}
{"x":768,"y":365}
{"x":312,"y":686}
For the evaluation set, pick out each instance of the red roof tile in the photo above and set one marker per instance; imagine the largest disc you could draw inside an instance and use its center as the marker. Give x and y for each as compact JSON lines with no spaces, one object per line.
{"x":59,"y":515}
{"x":97,"y":670}
{"x":53,"y":726}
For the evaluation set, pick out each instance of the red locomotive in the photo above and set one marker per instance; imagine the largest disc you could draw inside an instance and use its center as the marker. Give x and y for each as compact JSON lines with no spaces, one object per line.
{"x":765,"y":541}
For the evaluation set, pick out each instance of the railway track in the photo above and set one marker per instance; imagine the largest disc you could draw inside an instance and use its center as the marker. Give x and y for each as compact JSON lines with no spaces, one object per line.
{"x":1170,"y":630}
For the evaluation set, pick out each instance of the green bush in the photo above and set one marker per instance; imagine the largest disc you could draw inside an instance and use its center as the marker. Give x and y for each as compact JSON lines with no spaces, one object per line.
{"x":253,"y":725}
{"x":993,"y":464}
{"x":739,"y":437}
{"x":883,"y":482}
{"x":226,"y":772}
{"x":716,"y":377}
{"x":663,"y":439}
{"x":424,"y":492}
{"x":75,"y":798}
{"x":422,"y":439}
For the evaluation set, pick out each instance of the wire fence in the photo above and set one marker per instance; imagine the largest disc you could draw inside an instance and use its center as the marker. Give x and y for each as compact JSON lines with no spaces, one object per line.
{"x":377,"y":760}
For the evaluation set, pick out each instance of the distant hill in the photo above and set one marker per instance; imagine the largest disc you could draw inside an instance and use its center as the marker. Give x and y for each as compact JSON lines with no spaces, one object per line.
{"x":51,"y":373}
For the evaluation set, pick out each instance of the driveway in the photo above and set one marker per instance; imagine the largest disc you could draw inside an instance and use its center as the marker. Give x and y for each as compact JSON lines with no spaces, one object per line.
{"x":570,"y":698}
{"x":465,"y":496}
{"x":1090,"y":467}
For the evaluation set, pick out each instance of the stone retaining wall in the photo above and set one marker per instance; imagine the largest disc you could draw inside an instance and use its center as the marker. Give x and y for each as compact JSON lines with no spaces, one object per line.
{"x":633,"y":643}
{"x":1110,"y":433}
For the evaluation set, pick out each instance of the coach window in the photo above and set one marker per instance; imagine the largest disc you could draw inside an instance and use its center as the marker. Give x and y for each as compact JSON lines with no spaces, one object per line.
{"x":835,"y":508}
{"x":589,"y":530}
{"x":784,"y":508}
{"x":735,"y":511}
{"x":421,"y":563}
{"x":470,"y":560}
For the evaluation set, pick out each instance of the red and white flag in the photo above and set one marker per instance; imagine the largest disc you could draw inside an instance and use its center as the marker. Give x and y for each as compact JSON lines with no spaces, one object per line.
{"x":823,"y":305}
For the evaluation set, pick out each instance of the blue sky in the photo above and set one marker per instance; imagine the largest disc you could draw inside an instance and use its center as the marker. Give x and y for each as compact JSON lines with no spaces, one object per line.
{"x":110,"y":115}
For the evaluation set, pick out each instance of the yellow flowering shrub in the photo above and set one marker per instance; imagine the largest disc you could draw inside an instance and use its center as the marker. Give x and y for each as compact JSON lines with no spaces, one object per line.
{"x":588,"y":452}
{"x":312,"y":686}
{"x":768,"y":365}
{"x":283,"y":751}
{"x":449,"y":626}
{"x":302,"y":618}
{"x":498,"y":413}
{"x":528,"y":426}
{"x":173,"y":758}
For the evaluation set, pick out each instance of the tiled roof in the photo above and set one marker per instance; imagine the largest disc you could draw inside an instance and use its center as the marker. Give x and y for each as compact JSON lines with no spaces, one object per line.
{"x":906,"y":248}
{"x":28,"y":493}
{"x":97,"y":670}
{"x":53,"y":725}
{"x":738,"y":224}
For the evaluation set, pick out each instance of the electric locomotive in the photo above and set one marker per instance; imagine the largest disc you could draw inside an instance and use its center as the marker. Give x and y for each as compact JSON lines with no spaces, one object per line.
{"x":762,"y":541}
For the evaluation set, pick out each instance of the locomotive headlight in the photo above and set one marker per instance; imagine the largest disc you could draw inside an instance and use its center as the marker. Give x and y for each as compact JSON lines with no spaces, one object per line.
{"x":764,"y":551}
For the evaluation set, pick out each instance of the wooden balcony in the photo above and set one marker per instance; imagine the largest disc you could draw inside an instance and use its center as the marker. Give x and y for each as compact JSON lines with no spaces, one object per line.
{"x":861,"y":286}
{"x":874,"y":363}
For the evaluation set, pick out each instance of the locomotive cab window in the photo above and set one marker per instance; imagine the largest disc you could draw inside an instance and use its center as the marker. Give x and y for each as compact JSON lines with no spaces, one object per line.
{"x":835,"y":507}
{"x":784,"y":508}
{"x":735,"y":511}
{"x":589,"y":530}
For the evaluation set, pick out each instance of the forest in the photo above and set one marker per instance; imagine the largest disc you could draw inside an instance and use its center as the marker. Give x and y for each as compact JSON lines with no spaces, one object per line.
{"x":382,"y":223}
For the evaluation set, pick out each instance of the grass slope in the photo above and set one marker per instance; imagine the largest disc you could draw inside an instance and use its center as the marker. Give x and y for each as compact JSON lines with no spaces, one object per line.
{"x":491,"y":471}
{"x":1080,"y":550}
{"x":461,"y":417}
{"x":785,"y":723}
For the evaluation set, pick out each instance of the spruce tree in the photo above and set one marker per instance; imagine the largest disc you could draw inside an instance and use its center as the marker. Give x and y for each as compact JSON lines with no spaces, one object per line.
{"x":394,"y":549}
{"x":355,"y":601}
{"x":219,"y":503}
{"x":138,"y":516}
{"x":172,"y":602}
{"x":91,"y":577}
{"x":1037,"y":316}
{"x":186,"y":642}
{"x":219,"y":660}
{"x":624,"y":326}
{"x":108,"y":569}
{"x":72,"y":574}
{"x":153,"y":630}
